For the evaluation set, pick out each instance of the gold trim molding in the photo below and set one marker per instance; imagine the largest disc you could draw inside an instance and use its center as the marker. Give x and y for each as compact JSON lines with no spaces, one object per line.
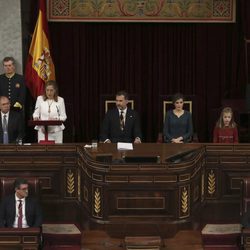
{"x":211,"y":11}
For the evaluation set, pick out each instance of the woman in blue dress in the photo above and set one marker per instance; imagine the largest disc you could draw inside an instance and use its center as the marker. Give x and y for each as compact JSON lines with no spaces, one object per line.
{"x":178,"y":126}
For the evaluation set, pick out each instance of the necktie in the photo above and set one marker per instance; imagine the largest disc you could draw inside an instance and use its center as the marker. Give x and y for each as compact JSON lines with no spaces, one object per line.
{"x":20,"y":214}
{"x":121,"y":121}
{"x":5,"y":130}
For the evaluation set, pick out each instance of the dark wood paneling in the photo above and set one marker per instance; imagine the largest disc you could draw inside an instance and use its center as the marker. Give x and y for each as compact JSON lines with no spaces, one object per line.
{"x":76,"y":187}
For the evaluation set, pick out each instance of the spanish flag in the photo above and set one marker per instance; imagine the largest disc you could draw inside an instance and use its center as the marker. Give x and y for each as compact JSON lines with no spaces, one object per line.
{"x":40,"y":67}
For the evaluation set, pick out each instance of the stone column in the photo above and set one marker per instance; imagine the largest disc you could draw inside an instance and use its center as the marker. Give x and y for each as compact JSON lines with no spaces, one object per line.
{"x":11,"y":32}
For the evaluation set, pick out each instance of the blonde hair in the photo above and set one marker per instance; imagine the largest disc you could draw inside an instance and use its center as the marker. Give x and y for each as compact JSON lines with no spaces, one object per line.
{"x":220,"y":123}
{"x":54,"y":85}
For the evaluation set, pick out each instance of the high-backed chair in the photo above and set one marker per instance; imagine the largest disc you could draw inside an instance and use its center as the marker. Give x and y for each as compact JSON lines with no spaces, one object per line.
{"x":7,"y":185}
{"x":19,"y":238}
{"x":108,"y":102}
{"x":167,"y":104}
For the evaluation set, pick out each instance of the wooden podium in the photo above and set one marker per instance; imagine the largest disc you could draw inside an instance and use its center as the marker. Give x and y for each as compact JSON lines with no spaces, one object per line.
{"x":45,"y":123}
{"x":20,"y":238}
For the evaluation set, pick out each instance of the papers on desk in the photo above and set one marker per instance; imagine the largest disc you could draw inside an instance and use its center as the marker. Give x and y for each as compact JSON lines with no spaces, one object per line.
{"x":124,"y":146}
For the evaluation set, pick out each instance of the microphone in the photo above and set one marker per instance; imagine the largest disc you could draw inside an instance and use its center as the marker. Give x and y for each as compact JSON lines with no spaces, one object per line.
{"x":19,"y":140}
{"x":58,"y":112}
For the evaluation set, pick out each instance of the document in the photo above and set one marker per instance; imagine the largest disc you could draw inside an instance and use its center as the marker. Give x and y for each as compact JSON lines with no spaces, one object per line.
{"x":124,"y":146}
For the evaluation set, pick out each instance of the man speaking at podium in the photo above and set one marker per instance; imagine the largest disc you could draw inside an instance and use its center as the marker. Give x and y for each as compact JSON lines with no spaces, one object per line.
{"x":121,"y":124}
{"x":19,"y":210}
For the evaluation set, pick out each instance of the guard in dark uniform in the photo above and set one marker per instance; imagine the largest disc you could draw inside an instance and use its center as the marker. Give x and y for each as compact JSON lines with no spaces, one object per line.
{"x":12,"y":84}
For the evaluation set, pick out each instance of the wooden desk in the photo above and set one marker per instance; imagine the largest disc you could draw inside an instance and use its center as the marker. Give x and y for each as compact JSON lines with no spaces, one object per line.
{"x":14,"y":238}
{"x":123,"y":197}
{"x":130,"y":195}
{"x":141,"y":188}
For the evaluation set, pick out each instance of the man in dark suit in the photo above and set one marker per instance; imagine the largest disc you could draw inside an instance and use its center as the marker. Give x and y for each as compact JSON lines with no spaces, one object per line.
{"x":11,"y":126}
{"x":121,"y":124}
{"x":20,"y":210}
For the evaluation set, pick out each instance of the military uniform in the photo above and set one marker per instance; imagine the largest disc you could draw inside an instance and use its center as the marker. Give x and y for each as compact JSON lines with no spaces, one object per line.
{"x":13,"y":88}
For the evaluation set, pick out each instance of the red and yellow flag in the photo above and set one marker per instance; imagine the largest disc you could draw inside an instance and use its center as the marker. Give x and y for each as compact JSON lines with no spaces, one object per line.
{"x":40,"y":67}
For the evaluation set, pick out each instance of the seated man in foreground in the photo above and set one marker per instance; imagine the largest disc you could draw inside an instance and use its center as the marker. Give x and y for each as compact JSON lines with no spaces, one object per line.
{"x":19,"y":210}
{"x":121,"y":124}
